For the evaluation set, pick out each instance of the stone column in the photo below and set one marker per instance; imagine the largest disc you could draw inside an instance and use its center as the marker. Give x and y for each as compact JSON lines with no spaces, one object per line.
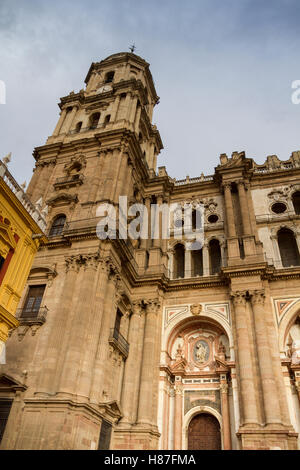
{"x":98,"y":391}
{"x":137,"y":119}
{"x":187,"y":263}
{"x":93,"y":332}
{"x":115,"y":108}
{"x":171,"y":419}
{"x":244,"y":208}
{"x":270,"y":393}
{"x":133,"y":109}
{"x":71,"y":119}
{"x":223,"y":256}
{"x":247,"y":390}
{"x":297,"y":236}
{"x":146,"y":398}
{"x":277,"y":257}
{"x":127,"y":105}
{"x":178,"y":416}
{"x":72,"y":366}
{"x":157,"y":241}
{"x":144,"y":243}
{"x":60,"y":122}
{"x":205,"y":254}
{"x":132,"y":364}
{"x":68,"y":121}
{"x":225,"y":414}
{"x":229,"y":210}
{"x":55,"y":344}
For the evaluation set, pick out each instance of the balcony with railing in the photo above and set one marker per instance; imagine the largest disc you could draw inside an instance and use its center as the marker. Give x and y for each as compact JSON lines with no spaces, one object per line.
{"x":118,"y":342}
{"x":32,"y":316}
{"x":68,"y":181}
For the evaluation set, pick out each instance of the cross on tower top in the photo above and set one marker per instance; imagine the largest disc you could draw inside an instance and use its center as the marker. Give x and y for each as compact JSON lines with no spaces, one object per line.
{"x":132,"y":48}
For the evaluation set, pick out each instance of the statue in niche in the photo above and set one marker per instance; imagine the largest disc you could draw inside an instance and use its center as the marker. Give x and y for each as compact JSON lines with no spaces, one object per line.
{"x":201,"y":351}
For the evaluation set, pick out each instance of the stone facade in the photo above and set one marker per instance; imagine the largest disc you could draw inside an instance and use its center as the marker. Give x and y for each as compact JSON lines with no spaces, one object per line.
{"x":131,"y":344}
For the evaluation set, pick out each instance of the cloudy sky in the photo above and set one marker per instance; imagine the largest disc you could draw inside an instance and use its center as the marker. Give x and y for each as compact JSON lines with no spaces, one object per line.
{"x":222,"y":68}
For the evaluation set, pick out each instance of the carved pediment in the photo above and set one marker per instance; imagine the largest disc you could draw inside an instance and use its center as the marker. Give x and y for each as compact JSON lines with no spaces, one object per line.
{"x":9,"y":384}
{"x":62,"y":199}
{"x":111,"y":409}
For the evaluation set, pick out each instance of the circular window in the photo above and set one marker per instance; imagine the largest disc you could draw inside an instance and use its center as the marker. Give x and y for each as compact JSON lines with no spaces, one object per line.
{"x":279,"y":208}
{"x":213,"y":218}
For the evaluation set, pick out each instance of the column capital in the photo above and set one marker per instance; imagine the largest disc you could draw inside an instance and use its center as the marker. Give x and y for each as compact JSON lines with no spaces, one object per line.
{"x":224,"y":388}
{"x":238,"y":297}
{"x":72,"y":263}
{"x":137,"y":308}
{"x":152,"y":305}
{"x":226,"y":184}
{"x":258,"y":296}
{"x":90,"y":261}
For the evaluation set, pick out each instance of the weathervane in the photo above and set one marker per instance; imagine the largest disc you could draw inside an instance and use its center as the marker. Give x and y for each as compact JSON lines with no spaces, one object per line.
{"x":132,"y":48}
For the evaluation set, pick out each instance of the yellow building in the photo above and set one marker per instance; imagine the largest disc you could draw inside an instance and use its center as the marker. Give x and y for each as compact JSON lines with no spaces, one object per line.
{"x":21,"y":233}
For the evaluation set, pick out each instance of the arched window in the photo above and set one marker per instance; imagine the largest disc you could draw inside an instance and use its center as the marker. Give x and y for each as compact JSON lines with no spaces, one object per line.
{"x":94,"y":119}
{"x":179,"y":261}
{"x":214,"y":256}
{"x":296,"y":202}
{"x":288,"y":248}
{"x":107,"y":119}
{"x":57,"y":225}
{"x":197,"y":262}
{"x":109,"y":77}
{"x":78,"y":126}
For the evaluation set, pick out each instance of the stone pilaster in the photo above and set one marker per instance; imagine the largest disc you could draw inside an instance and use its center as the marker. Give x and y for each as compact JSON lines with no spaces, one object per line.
{"x":225,"y":414}
{"x":60,"y":122}
{"x":231,"y":231}
{"x":249,"y":411}
{"x":178,"y":415}
{"x":244,"y":208}
{"x":270,"y":392}
{"x":133,"y":364}
{"x":145,"y":417}
{"x":79,"y":328}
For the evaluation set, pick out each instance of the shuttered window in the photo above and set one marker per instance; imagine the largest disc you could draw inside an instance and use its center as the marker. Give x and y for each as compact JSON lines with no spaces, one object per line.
{"x":105,"y":435}
{"x":33,"y":301}
{"x":5,"y":406}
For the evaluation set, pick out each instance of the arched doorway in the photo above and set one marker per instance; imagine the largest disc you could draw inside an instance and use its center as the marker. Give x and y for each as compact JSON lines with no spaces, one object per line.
{"x":204,"y":433}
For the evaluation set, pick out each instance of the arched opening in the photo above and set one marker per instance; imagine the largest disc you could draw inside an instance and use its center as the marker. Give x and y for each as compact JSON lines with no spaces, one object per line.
{"x":94,"y":119}
{"x":214,"y":256}
{"x":288,"y":248}
{"x":197,"y":262}
{"x":204,"y":433}
{"x":179,"y":261}
{"x":57,"y":226}
{"x":78,"y":126}
{"x":296,"y":202}
{"x":109,"y":77}
{"x":107,"y":119}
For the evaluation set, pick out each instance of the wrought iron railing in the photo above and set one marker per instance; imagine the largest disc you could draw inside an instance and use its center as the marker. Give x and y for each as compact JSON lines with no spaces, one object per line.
{"x":25,"y":315}
{"x":118,"y":340}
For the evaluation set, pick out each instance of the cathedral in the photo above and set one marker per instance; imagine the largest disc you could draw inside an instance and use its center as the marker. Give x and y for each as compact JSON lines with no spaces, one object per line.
{"x":144,"y":344}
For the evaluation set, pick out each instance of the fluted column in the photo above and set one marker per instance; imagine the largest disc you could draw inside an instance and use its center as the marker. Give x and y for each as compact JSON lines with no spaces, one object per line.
{"x":146,"y":397}
{"x":115,"y":108}
{"x":225,"y":414}
{"x":248,"y":398}
{"x":72,"y":365}
{"x":229,"y":210}
{"x":93,"y":331}
{"x":98,"y":391}
{"x":244,"y":208}
{"x":205,"y":257}
{"x":132,"y":364}
{"x":60,"y":323}
{"x":178,"y":416}
{"x":144,"y":242}
{"x":60,"y":122}
{"x":270,"y":392}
